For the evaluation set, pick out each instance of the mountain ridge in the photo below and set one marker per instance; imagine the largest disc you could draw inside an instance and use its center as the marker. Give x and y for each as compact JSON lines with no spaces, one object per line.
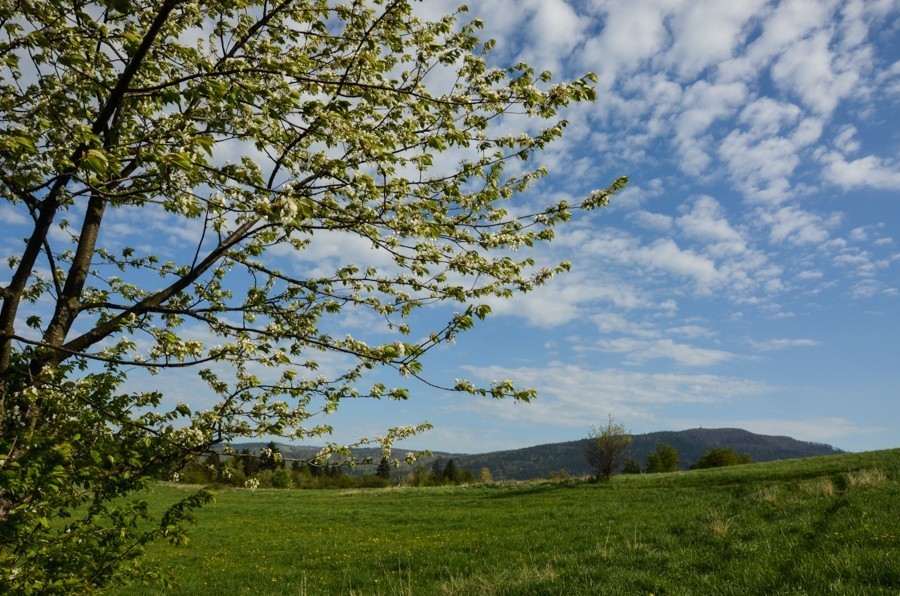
{"x":542,"y":460}
{"x":539,"y":461}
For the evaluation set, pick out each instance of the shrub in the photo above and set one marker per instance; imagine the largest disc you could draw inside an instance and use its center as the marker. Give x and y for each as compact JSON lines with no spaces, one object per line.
{"x":719,"y":457}
{"x":664,"y":459}
{"x":281,"y":479}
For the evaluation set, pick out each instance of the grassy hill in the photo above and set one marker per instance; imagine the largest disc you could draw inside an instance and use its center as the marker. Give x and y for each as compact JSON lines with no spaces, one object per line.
{"x":820,"y":525}
{"x":542,"y":460}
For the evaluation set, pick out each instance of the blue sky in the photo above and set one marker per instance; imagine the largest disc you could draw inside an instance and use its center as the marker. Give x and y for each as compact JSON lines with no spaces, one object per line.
{"x":747,"y":277}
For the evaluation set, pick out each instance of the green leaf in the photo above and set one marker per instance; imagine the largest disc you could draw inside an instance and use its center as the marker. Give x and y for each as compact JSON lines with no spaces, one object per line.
{"x":20,"y":141}
{"x":120,"y":6}
{"x":180,"y":160}
{"x":95,"y":161}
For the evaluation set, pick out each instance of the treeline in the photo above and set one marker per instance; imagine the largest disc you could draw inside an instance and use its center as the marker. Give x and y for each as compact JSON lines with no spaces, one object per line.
{"x":268,"y":469}
{"x":665,"y":458}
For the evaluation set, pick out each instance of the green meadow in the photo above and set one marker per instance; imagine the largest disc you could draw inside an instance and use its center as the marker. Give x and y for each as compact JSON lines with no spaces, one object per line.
{"x":826,"y":525}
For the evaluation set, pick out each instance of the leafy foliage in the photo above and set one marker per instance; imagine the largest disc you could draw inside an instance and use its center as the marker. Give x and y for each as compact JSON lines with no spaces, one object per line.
{"x":663,"y":459}
{"x":606,"y":447}
{"x":256,"y":131}
{"x":719,"y":457}
{"x":631,"y":466}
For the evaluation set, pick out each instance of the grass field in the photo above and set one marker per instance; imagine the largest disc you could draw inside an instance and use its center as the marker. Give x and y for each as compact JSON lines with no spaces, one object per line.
{"x":827,"y":525}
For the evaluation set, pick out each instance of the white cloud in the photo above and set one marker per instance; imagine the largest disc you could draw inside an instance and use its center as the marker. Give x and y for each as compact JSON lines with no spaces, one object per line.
{"x":870,"y":171}
{"x":707,"y":32}
{"x":793,"y":225}
{"x":633,"y":32}
{"x":765,"y":152}
{"x":781,"y":344}
{"x":666,"y":255}
{"x":608,"y":323}
{"x":329,"y":250}
{"x":783,"y":26}
{"x":810,"y":274}
{"x":705,"y":220}
{"x":846,"y":140}
{"x":651,"y":221}
{"x":703,"y":104}
{"x":691,"y":331}
{"x":11,"y":216}
{"x":574,"y":396}
{"x":868,"y":288}
{"x":568,"y":297}
{"x":553,"y":31}
{"x":642,"y":351}
{"x":806,"y":70}
{"x":634,"y":196}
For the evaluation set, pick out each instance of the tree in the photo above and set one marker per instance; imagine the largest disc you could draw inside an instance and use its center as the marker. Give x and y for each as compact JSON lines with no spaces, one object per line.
{"x":631,"y":466}
{"x":719,"y":457}
{"x":663,"y":459}
{"x":250,"y":464}
{"x":451,"y":473}
{"x":270,"y":457}
{"x":605,"y":448}
{"x":252,"y":133}
{"x":384,"y":468}
{"x":281,"y":478}
{"x":436,"y":473}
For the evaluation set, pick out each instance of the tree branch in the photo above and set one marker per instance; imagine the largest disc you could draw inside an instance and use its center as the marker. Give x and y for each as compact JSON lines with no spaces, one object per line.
{"x":80,"y":343}
{"x":50,"y":205}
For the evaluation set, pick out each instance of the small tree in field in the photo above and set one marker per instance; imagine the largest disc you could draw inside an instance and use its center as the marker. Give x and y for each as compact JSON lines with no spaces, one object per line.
{"x":664,"y":459}
{"x":606,"y":448}
{"x":170,"y":174}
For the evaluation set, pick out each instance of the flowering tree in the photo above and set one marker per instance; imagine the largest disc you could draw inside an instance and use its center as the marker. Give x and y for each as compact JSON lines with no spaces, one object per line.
{"x":257,"y":129}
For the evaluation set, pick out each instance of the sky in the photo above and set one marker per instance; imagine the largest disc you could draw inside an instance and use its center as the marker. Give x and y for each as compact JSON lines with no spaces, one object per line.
{"x":748,"y":275}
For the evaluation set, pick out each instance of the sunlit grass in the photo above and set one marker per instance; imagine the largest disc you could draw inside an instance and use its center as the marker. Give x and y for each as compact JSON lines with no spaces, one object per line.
{"x":821,"y":525}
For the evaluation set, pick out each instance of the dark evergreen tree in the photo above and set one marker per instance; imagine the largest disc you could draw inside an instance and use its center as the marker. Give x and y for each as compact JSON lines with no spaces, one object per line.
{"x":451,"y":473}
{"x":249,"y":462}
{"x":384,"y":469}
{"x":437,"y":470}
{"x":270,"y":457}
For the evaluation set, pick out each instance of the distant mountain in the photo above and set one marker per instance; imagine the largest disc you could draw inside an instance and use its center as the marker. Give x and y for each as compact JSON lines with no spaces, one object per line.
{"x":542,"y":460}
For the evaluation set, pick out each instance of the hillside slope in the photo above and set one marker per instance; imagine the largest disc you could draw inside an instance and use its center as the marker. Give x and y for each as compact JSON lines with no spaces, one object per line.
{"x":541,"y":460}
